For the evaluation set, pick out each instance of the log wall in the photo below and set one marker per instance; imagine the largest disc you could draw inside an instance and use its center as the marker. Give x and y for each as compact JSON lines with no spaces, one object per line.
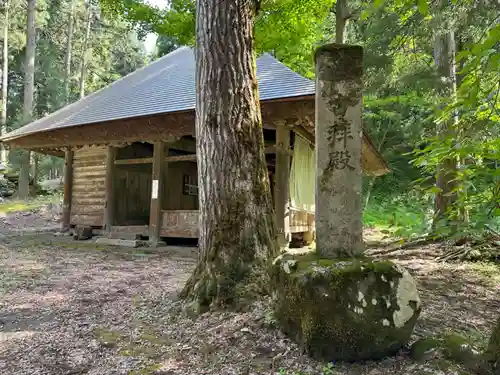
{"x":89,"y":171}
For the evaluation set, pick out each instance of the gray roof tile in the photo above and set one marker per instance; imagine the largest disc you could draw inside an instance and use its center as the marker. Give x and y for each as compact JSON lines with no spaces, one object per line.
{"x":165,"y":85}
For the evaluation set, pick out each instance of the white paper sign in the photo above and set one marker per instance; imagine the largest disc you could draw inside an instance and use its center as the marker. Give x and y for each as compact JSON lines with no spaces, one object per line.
{"x":154,"y":191}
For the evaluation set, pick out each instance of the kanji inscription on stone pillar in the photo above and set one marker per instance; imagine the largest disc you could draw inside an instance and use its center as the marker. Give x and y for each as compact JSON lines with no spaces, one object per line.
{"x":339,"y":86}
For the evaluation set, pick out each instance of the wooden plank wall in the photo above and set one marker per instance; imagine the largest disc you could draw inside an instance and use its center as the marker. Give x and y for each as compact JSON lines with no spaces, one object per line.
{"x":181,"y":224}
{"x":89,"y":171}
{"x":133,"y":194}
{"x":173,"y":198}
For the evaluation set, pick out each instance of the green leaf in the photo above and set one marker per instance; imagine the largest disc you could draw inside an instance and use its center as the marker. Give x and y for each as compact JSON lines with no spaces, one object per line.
{"x":423,"y":7}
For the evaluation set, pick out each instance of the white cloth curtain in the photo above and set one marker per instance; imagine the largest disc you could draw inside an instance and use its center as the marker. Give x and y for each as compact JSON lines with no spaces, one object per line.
{"x":303,"y":176}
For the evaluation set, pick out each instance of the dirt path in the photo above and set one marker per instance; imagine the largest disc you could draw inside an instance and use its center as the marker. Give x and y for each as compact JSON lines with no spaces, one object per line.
{"x":74,"y":308}
{"x":46,"y":217}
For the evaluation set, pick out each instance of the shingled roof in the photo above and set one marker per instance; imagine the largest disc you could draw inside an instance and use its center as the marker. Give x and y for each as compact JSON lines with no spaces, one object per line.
{"x":166,"y":85}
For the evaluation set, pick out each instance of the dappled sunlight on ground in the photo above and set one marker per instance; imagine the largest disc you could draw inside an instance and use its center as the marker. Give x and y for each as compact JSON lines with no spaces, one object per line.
{"x":76,"y":308}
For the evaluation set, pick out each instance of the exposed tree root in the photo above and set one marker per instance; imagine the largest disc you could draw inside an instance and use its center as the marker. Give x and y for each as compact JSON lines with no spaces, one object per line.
{"x":397,"y":245}
{"x":487,"y":249}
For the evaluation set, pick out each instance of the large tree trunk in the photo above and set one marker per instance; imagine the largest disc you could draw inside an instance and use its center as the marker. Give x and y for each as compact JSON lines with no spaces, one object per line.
{"x":67,"y":56}
{"x":493,"y":351}
{"x":237,"y":229}
{"x":29,"y":88}
{"x":5,"y":75}
{"x":444,"y":56}
{"x":83,"y":58}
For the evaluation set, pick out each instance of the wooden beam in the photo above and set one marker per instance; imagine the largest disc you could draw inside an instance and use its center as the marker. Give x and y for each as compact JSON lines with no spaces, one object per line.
{"x":109,"y":205}
{"x":156,"y":193}
{"x":134,"y":161}
{"x":171,"y":159}
{"x":271,"y":149}
{"x":168,"y":159}
{"x":299,"y":129}
{"x":281,"y":186}
{"x":68,"y":189}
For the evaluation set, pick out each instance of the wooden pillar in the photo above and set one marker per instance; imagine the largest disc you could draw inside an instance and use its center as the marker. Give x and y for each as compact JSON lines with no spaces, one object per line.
{"x":156,"y":193}
{"x":109,"y":207}
{"x":68,"y":189}
{"x":281,"y":186}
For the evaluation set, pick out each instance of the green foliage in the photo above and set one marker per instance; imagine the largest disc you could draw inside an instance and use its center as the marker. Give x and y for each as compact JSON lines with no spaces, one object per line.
{"x":113,"y":50}
{"x":328,"y":369}
{"x":402,"y":216}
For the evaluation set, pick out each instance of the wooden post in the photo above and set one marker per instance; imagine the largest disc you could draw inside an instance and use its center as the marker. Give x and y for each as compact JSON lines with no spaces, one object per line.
{"x":156,"y":193}
{"x":281,"y":186}
{"x":109,"y":207}
{"x":68,"y":189}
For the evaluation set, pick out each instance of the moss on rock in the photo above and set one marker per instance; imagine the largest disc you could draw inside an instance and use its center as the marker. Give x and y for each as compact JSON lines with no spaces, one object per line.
{"x":451,"y":347}
{"x":347,"y":309}
{"x":425,"y":348}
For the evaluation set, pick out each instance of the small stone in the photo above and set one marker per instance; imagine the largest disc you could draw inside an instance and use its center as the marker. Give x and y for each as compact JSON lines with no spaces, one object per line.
{"x":82,"y":233}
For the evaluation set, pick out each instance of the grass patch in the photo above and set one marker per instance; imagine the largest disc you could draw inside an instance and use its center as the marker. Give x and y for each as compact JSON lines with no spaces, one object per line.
{"x":10,"y":206}
{"x":400,"y":217}
{"x":18,"y":206}
{"x":487,"y":272}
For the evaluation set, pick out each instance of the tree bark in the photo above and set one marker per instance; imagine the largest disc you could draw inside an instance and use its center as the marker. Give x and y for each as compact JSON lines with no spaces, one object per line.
{"x":237,"y":230}
{"x":29,"y":87}
{"x":83,"y":59}
{"x":341,"y":16}
{"x":67,"y":56}
{"x":372,"y":180}
{"x":493,"y":351}
{"x":444,"y":56}
{"x":5,"y":75}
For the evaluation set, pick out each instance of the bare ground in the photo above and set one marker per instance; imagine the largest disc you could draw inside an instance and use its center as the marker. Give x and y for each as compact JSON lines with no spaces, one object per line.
{"x":76,"y":308}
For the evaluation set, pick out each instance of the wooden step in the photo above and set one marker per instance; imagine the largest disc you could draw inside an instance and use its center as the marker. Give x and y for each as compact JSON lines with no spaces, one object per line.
{"x":125,"y":236}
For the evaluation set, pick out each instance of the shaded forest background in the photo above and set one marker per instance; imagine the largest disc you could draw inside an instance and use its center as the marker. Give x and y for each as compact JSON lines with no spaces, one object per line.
{"x":431,"y":88}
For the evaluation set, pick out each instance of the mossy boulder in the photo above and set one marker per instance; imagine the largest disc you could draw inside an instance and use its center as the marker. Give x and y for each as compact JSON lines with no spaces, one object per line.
{"x":346,"y":310}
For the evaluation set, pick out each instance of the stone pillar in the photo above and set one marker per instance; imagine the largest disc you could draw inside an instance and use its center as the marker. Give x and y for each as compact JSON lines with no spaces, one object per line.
{"x":109,"y":208}
{"x":339,"y":85}
{"x":68,"y":189}
{"x":282,"y":184}
{"x":157,"y":193}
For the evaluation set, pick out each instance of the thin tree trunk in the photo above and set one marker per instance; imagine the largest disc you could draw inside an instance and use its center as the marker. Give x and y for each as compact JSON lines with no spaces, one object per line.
{"x":237,"y":230}
{"x":372,"y":180}
{"x":5,"y":75}
{"x":67,"y":56}
{"x":29,"y":88}
{"x":36,"y":162}
{"x":83,"y":58}
{"x":444,"y":55}
{"x":341,"y":16}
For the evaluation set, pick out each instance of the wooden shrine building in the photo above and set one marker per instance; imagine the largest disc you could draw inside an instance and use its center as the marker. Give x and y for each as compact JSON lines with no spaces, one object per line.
{"x":130,"y":149}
